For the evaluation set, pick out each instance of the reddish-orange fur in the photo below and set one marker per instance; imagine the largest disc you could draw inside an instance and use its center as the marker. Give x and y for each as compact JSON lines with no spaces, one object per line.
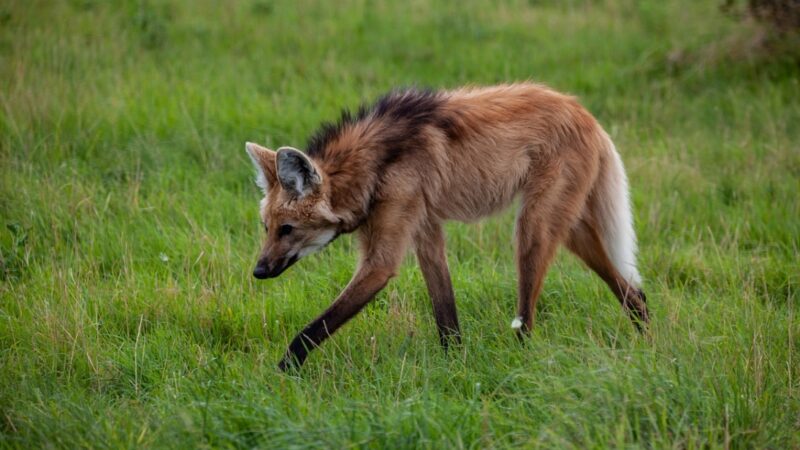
{"x":476,"y":150}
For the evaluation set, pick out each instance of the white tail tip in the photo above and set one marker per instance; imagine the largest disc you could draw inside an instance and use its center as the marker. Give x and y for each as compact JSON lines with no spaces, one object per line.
{"x":516,"y":323}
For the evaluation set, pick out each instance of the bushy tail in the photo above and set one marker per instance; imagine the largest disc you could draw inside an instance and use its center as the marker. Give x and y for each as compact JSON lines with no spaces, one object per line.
{"x":614,"y":215}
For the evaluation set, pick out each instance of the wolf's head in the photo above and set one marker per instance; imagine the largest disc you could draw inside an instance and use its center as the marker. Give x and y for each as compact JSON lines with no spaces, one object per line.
{"x":295,"y":210}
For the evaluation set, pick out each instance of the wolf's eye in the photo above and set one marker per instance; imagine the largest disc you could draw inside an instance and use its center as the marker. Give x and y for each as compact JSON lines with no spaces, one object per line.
{"x":284,"y":230}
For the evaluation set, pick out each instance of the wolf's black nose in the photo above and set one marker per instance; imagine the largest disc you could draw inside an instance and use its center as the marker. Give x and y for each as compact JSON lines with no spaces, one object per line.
{"x":260,"y":271}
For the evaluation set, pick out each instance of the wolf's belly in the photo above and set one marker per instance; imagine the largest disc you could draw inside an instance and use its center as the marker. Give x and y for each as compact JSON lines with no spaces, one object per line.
{"x":477,"y":197}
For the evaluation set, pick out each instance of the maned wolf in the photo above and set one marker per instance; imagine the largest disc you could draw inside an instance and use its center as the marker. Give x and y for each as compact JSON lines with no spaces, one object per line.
{"x":395,"y":171}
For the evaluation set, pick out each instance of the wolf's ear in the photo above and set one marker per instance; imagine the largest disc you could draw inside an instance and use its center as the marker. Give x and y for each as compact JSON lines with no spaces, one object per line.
{"x":264,"y":161}
{"x":296,"y":172}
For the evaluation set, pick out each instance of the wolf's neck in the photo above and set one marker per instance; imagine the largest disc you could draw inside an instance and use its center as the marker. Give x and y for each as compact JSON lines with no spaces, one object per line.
{"x":360,"y":149}
{"x":354,"y":164}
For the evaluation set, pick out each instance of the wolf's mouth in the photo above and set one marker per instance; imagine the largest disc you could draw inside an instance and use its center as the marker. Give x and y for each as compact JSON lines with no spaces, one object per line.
{"x":280,"y":268}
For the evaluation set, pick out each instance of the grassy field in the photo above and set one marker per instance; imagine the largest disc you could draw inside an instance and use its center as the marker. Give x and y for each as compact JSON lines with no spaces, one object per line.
{"x":129,"y":316}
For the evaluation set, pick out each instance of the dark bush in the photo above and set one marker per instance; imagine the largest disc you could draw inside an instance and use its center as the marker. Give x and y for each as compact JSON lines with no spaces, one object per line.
{"x":782,"y":15}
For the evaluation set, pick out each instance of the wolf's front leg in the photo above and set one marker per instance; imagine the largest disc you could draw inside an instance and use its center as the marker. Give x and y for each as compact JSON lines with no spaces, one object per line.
{"x":384,"y":239}
{"x":367,"y":282}
{"x":432,"y":257}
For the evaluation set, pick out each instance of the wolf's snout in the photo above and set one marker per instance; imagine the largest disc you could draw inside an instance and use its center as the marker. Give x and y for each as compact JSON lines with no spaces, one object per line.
{"x":261,"y":271}
{"x":265,"y":269}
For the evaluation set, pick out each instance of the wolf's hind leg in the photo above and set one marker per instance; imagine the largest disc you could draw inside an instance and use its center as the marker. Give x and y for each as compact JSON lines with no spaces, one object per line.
{"x":535,"y":251}
{"x":585,"y":241}
{"x":432,"y":257}
{"x":551,"y":204}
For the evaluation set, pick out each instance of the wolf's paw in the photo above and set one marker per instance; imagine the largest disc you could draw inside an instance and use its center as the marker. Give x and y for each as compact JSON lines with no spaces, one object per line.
{"x":289,"y":365}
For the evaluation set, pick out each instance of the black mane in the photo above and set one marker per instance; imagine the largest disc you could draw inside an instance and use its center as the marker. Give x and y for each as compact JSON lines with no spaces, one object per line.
{"x":409,"y":108}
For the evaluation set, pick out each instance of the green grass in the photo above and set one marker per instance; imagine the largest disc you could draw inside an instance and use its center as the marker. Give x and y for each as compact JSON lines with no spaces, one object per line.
{"x":129,"y":318}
